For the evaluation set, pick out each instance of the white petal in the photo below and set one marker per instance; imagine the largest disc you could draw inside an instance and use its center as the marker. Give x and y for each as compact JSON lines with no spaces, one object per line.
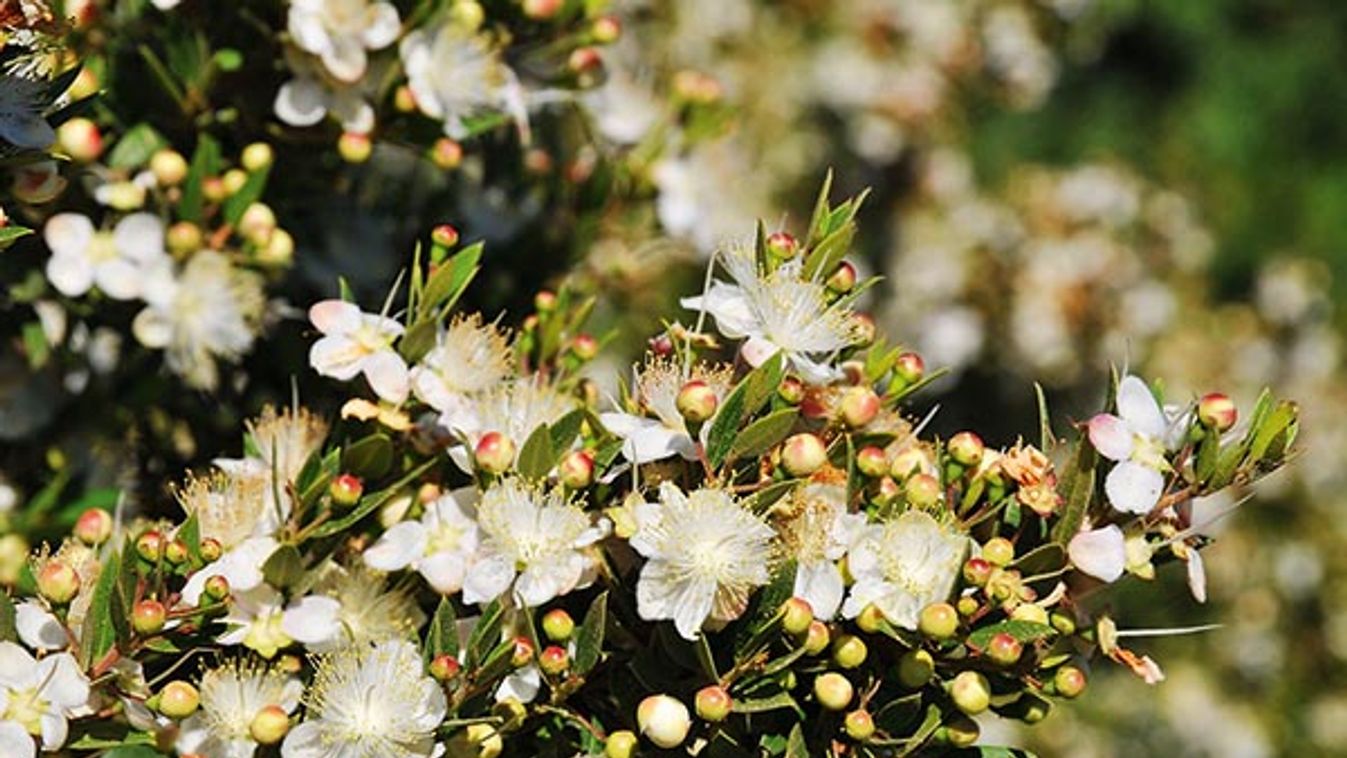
{"x":306,"y":740}
{"x":335,"y":316}
{"x":651,"y":440}
{"x":353,"y":111}
{"x":381,"y":25}
{"x":730,"y":308}
{"x":344,"y":59}
{"x":522,"y":685}
{"x":1111,"y":436}
{"x":68,"y":234}
{"x":1101,"y":553}
{"x":1138,"y":407}
{"x":488,"y":579}
{"x":820,"y":583}
{"x":18,"y":670}
{"x":301,"y":102}
{"x":307,"y":28}
{"x":312,"y":620}
{"x":444,"y":571}
{"x":757,"y":350}
{"x":152,"y":328}
{"x":140,"y":237}
{"x":337,"y":356}
{"x":386,"y":372}
{"x":1134,"y":488}
{"x":661,"y":594}
{"x":539,"y":584}
{"x":118,"y":279}
{"x":39,"y":629}
{"x":54,"y":731}
{"x":398,"y":548}
{"x":1197,"y":575}
{"x":15,"y":742}
{"x":71,"y":275}
{"x":64,"y":685}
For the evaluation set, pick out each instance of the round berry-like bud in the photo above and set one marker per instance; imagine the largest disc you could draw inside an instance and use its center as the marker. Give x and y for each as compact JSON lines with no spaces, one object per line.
{"x":1063,"y":622}
{"x":887,"y":491}
{"x":1031,"y":612}
{"x":849,"y":651}
{"x":1031,"y":708}
{"x":179,"y":699}
{"x":585,"y":347}
{"x":872,"y":461}
{"x":999,"y":551}
{"x":175,"y":552}
{"x":966,"y":606}
{"x":713,"y":703}
{"x":663,"y":720}
{"x":554,"y":660}
{"x":915,"y":669}
{"x":621,"y":744}
{"x":58,"y":582}
{"x":446,"y":154}
{"x":910,"y":368}
{"x":961,"y":731}
{"x":234,"y":179}
{"x":80,"y":139}
{"x":791,"y":390}
{"x":922,"y":491}
{"x":346,"y":490}
{"x":523,"y":652}
{"x":939,"y":621}
{"x":211,"y":550}
{"x":859,"y":724}
{"x":404,"y":100}
{"x":971,"y":692}
{"x":697,"y":401}
{"x":169,"y":167}
{"x":843,"y":279}
{"x":542,"y":9}
{"x":444,"y":667}
{"x":1004,"y":650}
{"x":816,"y":638}
{"x":796,"y":616}
{"x":213,"y":189}
{"x":864,"y":329}
{"x":871,"y":619}
{"x":803,"y":454}
{"x":545,"y":301}
{"x":782,"y":245}
{"x":257,"y":223}
{"x":908,"y":461}
{"x":558,"y":625}
{"x":354,"y":147}
{"x":577,"y":469}
{"x":584,"y":60}
{"x":280,"y":249}
{"x":1217,"y":411}
{"x":966,"y":448}
{"x":1069,"y":681}
{"x":184,"y":237}
{"x":444,"y":235}
{"x":150,"y":546}
{"x":834,"y":691}
{"x":217,"y":588}
{"x":257,"y":156}
{"x":94,"y":526}
{"x":270,"y":725}
{"x":859,"y":406}
{"x":494,"y":453}
{"x":606,"y":29}
{"x":976,"y":571}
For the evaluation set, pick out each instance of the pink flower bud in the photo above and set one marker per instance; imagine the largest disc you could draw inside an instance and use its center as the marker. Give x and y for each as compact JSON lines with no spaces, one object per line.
{"x":782,"y":245}
{"x":94,"y":526}
{"x":939,"y":621}
{"x":859,"y":724}
{"x":606,"y":29}
{"x":58,"y":582}
{"x":922,"y":491}
{"x":872,"y":461}
{"x":697,"y":401}
{"x":217,"y":588}
{"x":148,"y":617}
{"x":1069,"y":681}
{"x":178,"y":700}
{"x":494,"y":453}
{"x":713,"y":703}
{"x":577,"y":469}
{"x":270,"y":725}
{"x":558,"y":625}
{"x":444,"y":235}
{"x":909,"y":368}
{"x":663,"y":720}
{"x":1217,"y":411}
{"x":540,"y":10}
{"x":80,"y":139}
{"x":554,"y":660}
{"x":354,"y":147}
{"x":446,"y":154}
{"x":346,"y":490}
{"x":175,"y":552}
{"x":585,"y":347}
{"x":843,"y":279}
{"x":803,"y":454}
{"x":966,"y":448}
{"x":796,"y":616}
{"x":859,"y":406}
{"x":1004,"y":650}
{"x":150,"y":546}
{"x":523,"y":652}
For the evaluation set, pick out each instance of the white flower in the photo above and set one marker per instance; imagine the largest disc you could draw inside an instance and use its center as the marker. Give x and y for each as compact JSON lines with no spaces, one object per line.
{"x":230,"y":506}
{"x":705,"y":555}
{"x":260,"y":620}
{"x":241,"y":566}
{"x":21,"y":105}
{"x":705,"y":195}
{"x":166,"y":5}
{"x":231,"y":696}
{"x":312,"y":94}
{"x":515,"y":409}
{"x":1101,"y":553}
{"x":284,"y":442}
{"x":38,"y":697}
{"x":454,"y":74}
{"x":904,"y":565}
{"x":354,"y":343}
{"x":370,"y":701}
{"x":533,"y":541}
{"x":777,"y":311}
{"x":367,"y":610}
{"x":818,"y":535}
{"x":1135,"y":438}
{"x":210,"y":311}
{"x":116,"y":262}
{"x":439,"y":546}
{"x":340,"y":31}
{"x":657,"y":387}
{"x":469,"y":357}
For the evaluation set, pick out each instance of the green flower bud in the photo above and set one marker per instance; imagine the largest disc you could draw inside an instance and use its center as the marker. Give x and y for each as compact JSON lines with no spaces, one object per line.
{"x":938,"y":621}
{"x":915,"y":669}
{"x":834,"y":691}
{"x":971,"y":692}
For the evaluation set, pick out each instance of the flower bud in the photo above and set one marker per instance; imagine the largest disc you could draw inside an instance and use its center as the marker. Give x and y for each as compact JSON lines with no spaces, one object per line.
{"x":558,"y":625}
{"x":871,"y":619}
{"x":1217,"y":411}
{"x":175,"y":552}
{"x":908,"y":461}
{"x":966,"y":448}
{"x":782,"y":245}
{"x":467,"y":14}
{"x":887,"y":491}
{"x":816,"y":638}
{"x":542,"y":9}
{"x":213,"y":189}
{"x":523,"y":652}
{"x":217,"y":588}
{"x":697,"y":401}
{"x":584,"y":61}
{"x":80,"y":139}
{"x":585,"y":347}
{"x":834,"y":691}
{"x":211,"y":550}
{"x":606,"y":29}
{"x":1069,"y":681}
{"x":554,"y":660}
{"x":280,"y":249}
{"x":184,"y":237}
{"x":94,"y":526}
{"x":148,"y":617}
{"x":796,"y":616}
{"x":346,"y":490}
{"x":621,"y":744}
{"x":961,"y":731}
{"x":485,"y":738}
{"x":444,"y":235}
{"x":354,"y":147}
{"x":1004,"y":650}
{"x":257,"y":156}
{"x":803,"y":454}
{"x":257,"y":223}
{"x":446,"y":154}
{"x":233,"y":180}
{"x":971,"y":692}
{"x":444,"y":667}
{"x":1063,"y":622}
{"x":791,"y":390}
{"x":1030,"y":708}
{"x":922,"y":491}
{"x":939,"y":621}
{"x":976,"y":571}
{"x":999,"y":551}
{"x":494,"y":453}
{"x":663,"y":720}
{"x":865,"y":329}
{"x":1029,"y":612}
{"x":915,"y":669}
{"x":859,"y":406}
{"x":713,"y":703}
{"x":859,"y":725}
{"x":909,"y":368}
{"x":169,"y":167}
{"x":179,"y":699}
{"x":849,"y":651}
{"x":58,"y":582}
{"x":967,"y":606}
{"x":270,"y":725}
{"x":577,"y":469}
{"x":872,"y":462}
{"x":843,"y":279}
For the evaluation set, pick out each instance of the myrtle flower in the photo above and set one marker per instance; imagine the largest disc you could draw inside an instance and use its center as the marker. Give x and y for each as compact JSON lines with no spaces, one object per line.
{"x":229,"y":507}
{"x":777,"y":311}
{"x":1135,"y":438}
{"x":515,"y":409}
{"x":657,"y":386}
{"x":210,"y":311}
{"x":705,"y":196}
{"x":38,"y":697}
{"x":455,"y":74}
{"x":368,"y":610}
{"x":533,"y":544}
{"x":284,"y":442}
{"x":339,"y":32}
{"x":1100,"y":553}
{"x":904,"y":565}
{"x":370,"y":701}
{"x":439,"y":546}
{"x":469,"y":357}
{"x":231,"y":697}
{"x":818,"y":534}
{"x":705,"y":554}
{"x":354,"y":343}
{"x":22,"y":100}
{"x":260,"y":620}
{"x":116,"y":262}
{"x":312,"y":95}
{"x":240,"y":565}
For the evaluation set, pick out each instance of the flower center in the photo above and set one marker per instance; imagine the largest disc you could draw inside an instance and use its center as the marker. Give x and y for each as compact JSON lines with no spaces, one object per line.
{"x":25,"y":708}
{"x":1148,"y":452}
{"x":444,"y":539}
{"x":370,"y":339}
{"x":102,"y":248}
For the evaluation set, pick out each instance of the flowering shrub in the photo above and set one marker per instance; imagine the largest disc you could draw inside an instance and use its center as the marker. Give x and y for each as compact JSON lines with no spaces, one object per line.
{"x":482,"y":556}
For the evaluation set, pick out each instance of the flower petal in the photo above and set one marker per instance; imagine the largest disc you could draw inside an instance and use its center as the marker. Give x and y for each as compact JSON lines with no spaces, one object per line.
{"x":1111,"y":436}
{"x":337,"y":356}
{"x":68,"y":234}
{"x":488,"y":579}
{"x":302,"y":101}
{"x":38,"y":628}
{"x":444,"y":571}
{"x":1101,"y":553}
{"x":386,"y":373}
{"x":63,"y":684}
{"x":1197,"y":575}
{"x":140,"y":237}
{"x":313,"y":620}
{"x":71,"y":275}
{"x":118,"y":279}
{"x":381,"y":25}
{"x":820,"y":583}
{"x":335,"y":316}
{"x":344,"y":58}
{"x":1134,"y":488}
{"x":398,"y":548}
{"x":307,"y":29}
{"x":1138,"y":407}
{"x":15,"y":742}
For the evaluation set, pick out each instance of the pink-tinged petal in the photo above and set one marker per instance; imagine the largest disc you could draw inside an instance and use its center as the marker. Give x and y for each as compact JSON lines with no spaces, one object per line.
{"x":1138,"y":407}
{"x":71,"y":275}
{"x":335,"y":316}
{"x":1111,"y":436}
{"x":1133,"y":488}
{"x":301,"y":102}
{"x":398,"y":548}
{"x":68,"y":234}
{"x":337,"y":356}
{"x":1101,"y":553}
{"x":757,"y":350}
{"x":386,"y":372}
{"x":1197,"y":575}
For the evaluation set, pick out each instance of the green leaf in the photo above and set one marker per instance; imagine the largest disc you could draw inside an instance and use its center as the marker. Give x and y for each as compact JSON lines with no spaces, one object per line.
{"x":1280,"y":421}
{"x":442,"y":635}
{"x":11,"y":233}
{"x":1043,"y":559}
{"x":763,"y":617}
{"x":764,"y":704}
{"x":105,"y":623}
{"x":205,"y":163}
{"x":447,"y":283}
{"x":249,"y":193}
{"x":536,"y":458}
{"x":899,"y":715}
{"x":284,"y":568}
{"x":589,"y":639}
{"x":8,"y":630}
{"x":227,"y":59}
{"x":135,"y":147}
{"x":1046,"y":439}
{"x":370,"y":457}
{"x":725,"y":426}
{"x":762,"y":434}
{"x":566,"y":429}
{"x":763,"y":382}
{"x":485,"y":634}
{"x":820,"y":215}
{"x":1077,"y":488}
{"x":764,"y":498}
{"x":190,"y":534}
{"x":133,"y":751}
{"x":1023,"y":631}
{"x":370,"y":502}
{"x":795,"y":744}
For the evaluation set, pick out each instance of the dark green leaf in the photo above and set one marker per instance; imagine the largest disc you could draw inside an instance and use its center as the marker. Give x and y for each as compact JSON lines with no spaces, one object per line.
{"x":1077,"y":489}
{"x":795,"y":744}
{"x":589,"y":639}
{"x":1046,"y":439}
{"x":899,"y":715}
{"x":450,"y":278}
{"x":284,"y":568}
{"x":725,"y":426}
{"x":370,"y":502}
{"x":135,"y":147}
{"x":1043,"y":559}
{"x":762,"y":434}
{"x":764,"y":498}
{"x":537,"y":457}
{"x":205,"y":163}
{"x":1024,"y":631}
{"x":370,"y":457}
{"x":106,"y":620}
{"x":566,"y":429}
{"x":8,"y":631}
{"x":485,"y":634}
{"x":764,"y":704}
{"x":442,"y":636}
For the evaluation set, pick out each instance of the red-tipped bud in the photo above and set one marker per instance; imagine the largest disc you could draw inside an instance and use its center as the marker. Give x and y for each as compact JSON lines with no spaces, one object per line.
{"x":976,"y":571}
{"x":211,"y":550}
{"x":148,"y":617}
{"x":541,"y":10}
{"x":782,"y":245}
{"x":554,"y":660}
{"x":966,"y":448}
{"x":175,"y":552}
{"x":523,"y":652}
{"x":270,"y":725}
{"x":150,"y":546}
{"x":606,"y":29}
{"x":1217,"y":411}
{"x":585,"y":347}
{"x":58,"y":582}
{"x":865,"y":329}
{"x":872,"y":462}
{"x":939,"y":621}
{"x":1004,"y":650}
{"x":346,"y":490}
{"x":577,"y":469}
{"x":558,"y":625}
{"x":354,"y":147}
{"x":584,"y":61}
{"x":833,"y":691}
{"x":713,"y":703}
{"x":791,"y":390}
{"x":217,"y":588}
{"x":446,"y":154}
{"x":1069,"y":681}
{"x":663,"y":720}
{"x":80,"y":139}
{"x":859,"y":406}
{"x":444,"y":667}
{"x":817,"y":638}
{"x":922,"y":491}
{"x":859,"y":724}
{"x":494,"y":453}
{"x":697,"y":401}
{"x":94,"y":526}
{"x":444,"y":235}
{"x":843,"y":279}
{"x":999,"y":551}
{"x":545,"y":301}
{"x":796,"y":616}
{"x":803,"y":454}
{"x":971,"y":692}
{"x":910,"y":368}
{"x":660,"y":345}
